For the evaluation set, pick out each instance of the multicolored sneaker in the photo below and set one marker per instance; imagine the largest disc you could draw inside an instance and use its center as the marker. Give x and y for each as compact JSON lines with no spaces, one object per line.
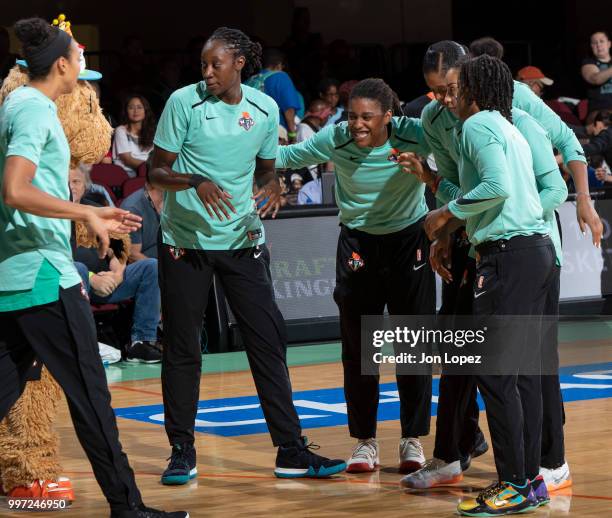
{"x":296,"y":460}
{"x":557,"y":478}
{"x":411,"y":456}
{"x":45,"y":490}
{"x":481,"y":446}
{"x":182,"y":467}
{"x":500,"y":499}
{"x":364,"y":458}
{"x":434,"y":473}
{"x":539,"y":490}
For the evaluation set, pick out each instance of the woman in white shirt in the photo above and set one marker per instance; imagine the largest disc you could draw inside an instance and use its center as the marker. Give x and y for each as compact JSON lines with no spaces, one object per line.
{"x":133,"y":140}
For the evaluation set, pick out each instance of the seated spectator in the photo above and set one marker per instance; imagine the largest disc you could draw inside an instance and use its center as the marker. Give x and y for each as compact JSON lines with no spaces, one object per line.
{"x":599,"y":172}
{"x":111,"y":280}
{"x":597,"y":72}
{"x":297,"y":182}
{"x":86,"y":192}
{"x":277,"y":84}
{"x":146,"y":203}
{"x":487,"y":45}
{"x":311,"y":193}
{"x":600,"y":133}
{"x":534,"y":78}
{"x":133,"y":140}
{"x":329,"y":91}
{"x":315,"y":118}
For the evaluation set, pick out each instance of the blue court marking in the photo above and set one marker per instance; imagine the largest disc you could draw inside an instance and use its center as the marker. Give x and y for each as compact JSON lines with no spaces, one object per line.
{"x":230,"y":417}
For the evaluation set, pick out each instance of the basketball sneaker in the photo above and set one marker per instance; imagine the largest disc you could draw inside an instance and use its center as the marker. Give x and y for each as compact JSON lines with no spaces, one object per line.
{"x":45,"y":490}
{"x":148,"y":512}
{"x":411,"y":457}
{"x":434,"y":473}
{"x":500,"y":499}
{"x":557,"y":478}
{"x":481,"y":446}
{"x":143,"y":352}
{"x":364,"y":458}
{"x":540,"y":491}
{"x":182,"y":466}
{"x":297,"y":460}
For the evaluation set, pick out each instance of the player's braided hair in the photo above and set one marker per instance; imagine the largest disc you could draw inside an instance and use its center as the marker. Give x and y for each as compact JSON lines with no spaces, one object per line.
{"x":241,"y":45}
{"x":442,"y":56}
{"x":487,"y":81}
{"x":377,"y":89}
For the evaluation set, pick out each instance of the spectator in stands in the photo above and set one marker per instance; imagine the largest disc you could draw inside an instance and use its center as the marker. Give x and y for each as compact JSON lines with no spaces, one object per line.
{"x":315,"y":118}
{"x":534,"y":78}
{"x":146,"y":203}
{"x":487,"y":45}
{"x":133,"y":140}
{"x":166,"y":81}
{"x":600,"y":133}
{"x":597,"y":72}
{"x":111,"y":280}
{"x":601,"y":172}
{"x":86,"y":192}
{"x":297,"y":182}
{"x":345,"y":92}
{"x":275,"y":82}
{"x":329,"y":90}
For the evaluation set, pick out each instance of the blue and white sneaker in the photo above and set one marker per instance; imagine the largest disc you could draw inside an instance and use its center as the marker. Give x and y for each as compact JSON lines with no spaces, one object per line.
{"x":298,"y":461}
{"x":182,"y":466}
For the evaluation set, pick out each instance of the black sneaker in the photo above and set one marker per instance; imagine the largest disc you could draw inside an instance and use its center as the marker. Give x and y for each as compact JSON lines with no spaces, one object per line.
{"x":143,"y":352}
{"x":298,"y":461}
{"x":481,"y":446}
{"x":148,"y":512}
{"x":182,"y":466}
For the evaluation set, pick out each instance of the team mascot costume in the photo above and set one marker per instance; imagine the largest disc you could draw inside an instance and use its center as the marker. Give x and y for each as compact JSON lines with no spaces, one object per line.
{"x":29,"y":463}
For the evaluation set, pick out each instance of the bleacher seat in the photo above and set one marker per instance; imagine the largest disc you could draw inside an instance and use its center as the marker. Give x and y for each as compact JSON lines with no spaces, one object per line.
{"x":109,"y":175}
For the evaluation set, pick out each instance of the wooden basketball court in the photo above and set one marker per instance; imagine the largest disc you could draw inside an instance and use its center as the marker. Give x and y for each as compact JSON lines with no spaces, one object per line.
{"x":236,"y":476}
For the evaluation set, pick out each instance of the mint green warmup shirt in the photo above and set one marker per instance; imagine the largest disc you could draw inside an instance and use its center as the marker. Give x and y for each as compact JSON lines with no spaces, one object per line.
{"x":219,"y":141}
{"x":372,"y":192}
{"x":35,"y":252}
{"x":501,"y":199}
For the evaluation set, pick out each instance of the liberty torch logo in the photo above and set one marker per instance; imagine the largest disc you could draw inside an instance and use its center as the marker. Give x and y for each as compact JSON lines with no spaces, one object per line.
{"x":246,"y":121}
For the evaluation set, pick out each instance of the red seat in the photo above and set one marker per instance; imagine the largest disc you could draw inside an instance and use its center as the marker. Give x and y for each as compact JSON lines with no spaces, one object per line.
{"x":104,"y":308}
{"x":583,"y":109}
{"x":132,"y":185}
{"x":142,"y":170}
{"x":565,"y":112}
{"x":110,"y":175}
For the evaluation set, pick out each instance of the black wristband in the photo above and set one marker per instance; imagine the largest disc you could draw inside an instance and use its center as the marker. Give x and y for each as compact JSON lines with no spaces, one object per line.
{"x":196,"y":179}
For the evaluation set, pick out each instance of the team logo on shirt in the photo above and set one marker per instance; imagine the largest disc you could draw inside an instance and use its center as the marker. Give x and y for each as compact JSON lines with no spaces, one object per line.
{"x":84,"y":293}
{"x":480,"y":282}
{"x":419,"y":255}
{"x":394,"y":155}
{"x":355,"y":262}
{"x":176,"y":252}
{"x":246,"y":121}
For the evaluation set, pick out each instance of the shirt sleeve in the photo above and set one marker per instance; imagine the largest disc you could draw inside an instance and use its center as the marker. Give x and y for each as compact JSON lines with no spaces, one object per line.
{"x":269,"y":148}
{"x":172,"y":126}
{"x":316,"y":150}
{"x":280,"y":87}
{"x":485,"y":151}
{"x":562,"y":137}
{"x":551,"y":186}
{"x":409,"y":131}
{"x":121,"y":143}
{"x":28,"y":133}
{"x":447,"y":167}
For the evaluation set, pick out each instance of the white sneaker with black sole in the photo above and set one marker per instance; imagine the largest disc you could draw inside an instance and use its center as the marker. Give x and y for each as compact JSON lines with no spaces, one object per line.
{"x":143,"y":352}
